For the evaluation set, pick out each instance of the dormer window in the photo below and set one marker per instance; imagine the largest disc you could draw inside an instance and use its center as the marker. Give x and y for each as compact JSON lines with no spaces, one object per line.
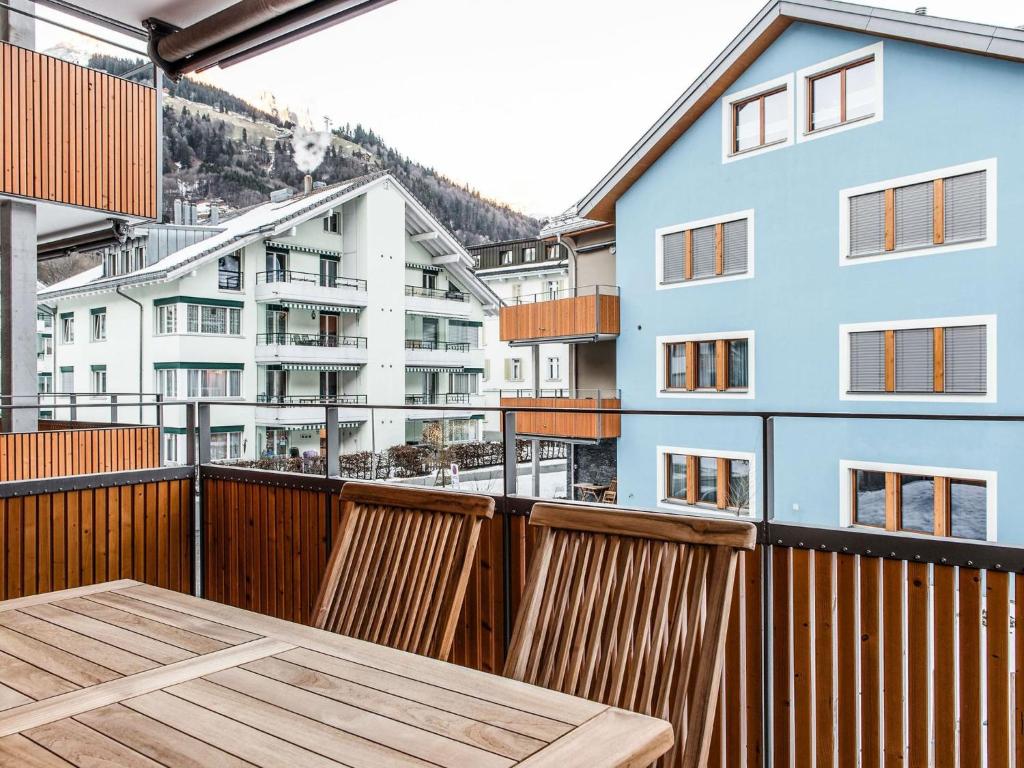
{"x":505,"y":257}
{"x":760,"y":121}
{"x":841,"y":93}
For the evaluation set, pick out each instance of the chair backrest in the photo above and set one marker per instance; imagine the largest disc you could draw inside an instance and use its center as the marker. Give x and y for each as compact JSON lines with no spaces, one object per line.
{"x":631,"y":608}
{"x":400,"y":564}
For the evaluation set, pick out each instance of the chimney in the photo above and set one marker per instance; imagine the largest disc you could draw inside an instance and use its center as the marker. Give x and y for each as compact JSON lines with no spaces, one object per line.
{"x":214,"y":215}
{"x":177,"y":211}
{"x":307,"y":184}
{"x":921,"y":10}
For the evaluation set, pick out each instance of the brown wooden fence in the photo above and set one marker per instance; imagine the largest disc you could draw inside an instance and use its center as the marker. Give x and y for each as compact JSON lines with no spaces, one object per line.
{"x":57,"y":453}
{"x":874,"y":661}
{"x":128,"y":528}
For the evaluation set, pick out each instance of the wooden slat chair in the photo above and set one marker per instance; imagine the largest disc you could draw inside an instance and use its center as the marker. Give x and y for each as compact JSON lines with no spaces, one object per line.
{"x":398,"y":571}
{"x":630,"y":609}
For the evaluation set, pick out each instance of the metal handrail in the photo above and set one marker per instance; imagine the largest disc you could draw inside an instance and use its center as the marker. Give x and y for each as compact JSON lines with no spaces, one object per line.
{"x":563,"y":394}
{"x":565,"y":293}
{"x":313,"y":278}
{"x":314,"y":399}
{"x":311,"y":339}
{"x":450,"y":346}
{"x":440,"y":398}
{"x":436,"y":293}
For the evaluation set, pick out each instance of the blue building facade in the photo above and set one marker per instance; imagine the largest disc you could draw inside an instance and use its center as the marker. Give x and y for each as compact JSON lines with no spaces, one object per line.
{"x":841,"y":230}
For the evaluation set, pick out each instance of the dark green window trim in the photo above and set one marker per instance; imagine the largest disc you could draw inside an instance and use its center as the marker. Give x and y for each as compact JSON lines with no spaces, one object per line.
{"x":199,"y":366}
{"x":197,"y":300}
{"x":67,"y":369}
{"x":67,"y":315}
{"x":95,"y":368}
{"x":213,"y":430}
{"x":98,"y":311}
{"x":472,"y":370}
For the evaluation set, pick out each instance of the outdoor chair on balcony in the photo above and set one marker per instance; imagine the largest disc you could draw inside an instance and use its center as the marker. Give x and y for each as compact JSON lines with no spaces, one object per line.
{"x":630,"y":609}
{"x":400,"y":564}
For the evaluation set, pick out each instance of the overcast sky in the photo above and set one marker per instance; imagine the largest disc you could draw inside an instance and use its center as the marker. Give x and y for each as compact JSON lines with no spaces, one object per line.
{"x":529,"y":101}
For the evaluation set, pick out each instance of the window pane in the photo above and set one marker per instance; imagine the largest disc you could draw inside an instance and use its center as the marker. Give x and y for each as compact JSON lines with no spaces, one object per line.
{"x":967,"y":509}
{"x":748,"y":125}
{"x":707,"y":491}
{"x":739,"y":485}
{"x":776,"y":117}
{"x":706,"y":365}
{"x":867,"y":361}
{"x":867,"y":224}
{"x":738,"y":364}
{"x":825,"y":101}
{"x":677,"y":366}
{"x":870,"y":489}
{"x":917,"y":495}
{"x":703,"y":244}
{"x":966,"y":359}
{"x":965,"y":207}
{"x":914,"y":215}
{"x":915,"y":370}
{"x":677,"y":477}
{"x":860,"y":90}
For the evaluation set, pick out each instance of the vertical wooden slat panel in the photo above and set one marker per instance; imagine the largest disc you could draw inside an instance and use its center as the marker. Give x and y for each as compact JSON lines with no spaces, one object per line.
{"x":944,"y":686}
{"x":893,"y":638}
{"x":970,"y":618}
{"x":917,"y":664}
{"x":1018,"y":679}
{"x":997,"y":667}
{"x":846,"y":651}
{"x":32,"y":456}
{"x":803,"y":713}
{"x":870,"y":661}
{"x":782,"y":705}
{"x":824,"y":659}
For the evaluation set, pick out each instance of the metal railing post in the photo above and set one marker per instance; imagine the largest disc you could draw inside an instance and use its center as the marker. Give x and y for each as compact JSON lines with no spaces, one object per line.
{"x":203,"y":436}
{"x":767,"y":512}
{"x":190,"y":435}
{"x":73,"y":410}
{"x":511,"y":477}
{"x":331,"y":460}
{"x":159,"y":407}
{"x":113,"y":408}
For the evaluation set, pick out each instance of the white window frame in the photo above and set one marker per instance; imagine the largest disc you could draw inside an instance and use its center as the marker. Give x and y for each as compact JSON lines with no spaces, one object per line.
{"x":67,"y":330}
{"x":991,"y":199}
{"x":163,"y":376}
{"x":991,"y":367}
{"x":727,"y":102}
{"x":44,"y":382}
{"x":512,"y":364}
{"x":659,"y":354}
{"x":553,"y":368}
{"x":96,"y":378}
{"x":663,"y":451}
{"x":227,"y":445}
{"x":161,"y":313}
{"x":96,"y":325}
{"x":170,"y":448}
{"x":62,"y":381}
{"x":803,"y":77}
{"x":659,"y":250}
{"x":846,"y":467}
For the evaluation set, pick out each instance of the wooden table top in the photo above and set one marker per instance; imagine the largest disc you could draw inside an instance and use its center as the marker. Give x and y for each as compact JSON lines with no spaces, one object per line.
{"x":140,"y":676}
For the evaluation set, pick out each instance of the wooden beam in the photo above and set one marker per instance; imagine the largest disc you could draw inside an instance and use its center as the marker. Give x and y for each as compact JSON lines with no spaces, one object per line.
{"x":721,"y":365}
{"x":892,"y":501}
{"x":939,"y":358}
{"x":723,"y":483}
{"x":939,"y":212}
{"x":942,"y":521}
{"x":720,"y":248}
{"x":890,"y":361}
{"x":890,"y":219}
{"x":689,"y":254}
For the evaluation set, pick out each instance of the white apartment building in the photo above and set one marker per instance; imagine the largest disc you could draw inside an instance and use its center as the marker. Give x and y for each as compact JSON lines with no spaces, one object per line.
{"x":521,"y":271}
{"x":342,"y":295}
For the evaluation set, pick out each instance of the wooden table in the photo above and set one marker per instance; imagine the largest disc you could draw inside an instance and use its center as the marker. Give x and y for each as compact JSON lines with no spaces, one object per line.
{"x":140,"y":676}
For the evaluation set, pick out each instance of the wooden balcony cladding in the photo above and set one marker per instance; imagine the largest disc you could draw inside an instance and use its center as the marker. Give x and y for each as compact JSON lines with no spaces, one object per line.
{"x":76,"y":538}
{"x":58,"y":453}
{"x":582,"y":426}
{"x":571,"y":317}
{"x":76,"y":136}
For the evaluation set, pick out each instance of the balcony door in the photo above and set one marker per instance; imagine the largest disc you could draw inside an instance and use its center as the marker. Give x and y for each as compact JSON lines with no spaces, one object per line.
{"x":277,"y":266}
{"x":329,"y":327}
{"x":430,"y":280}
{"x":329,"y":272}
{"x":277,"y":325}
{"x":276,"y":385}
{"x":431,"y":331}
{"x":430,"y":387}
{"x":330,"y":385}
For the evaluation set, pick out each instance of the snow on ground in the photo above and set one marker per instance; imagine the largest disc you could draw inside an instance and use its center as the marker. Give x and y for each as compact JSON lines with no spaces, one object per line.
{"x":968,"y":505}
{"x":490,"y":480}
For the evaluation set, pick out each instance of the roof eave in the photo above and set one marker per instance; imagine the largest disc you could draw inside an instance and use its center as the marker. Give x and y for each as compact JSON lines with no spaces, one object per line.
{"x":761,"y":32}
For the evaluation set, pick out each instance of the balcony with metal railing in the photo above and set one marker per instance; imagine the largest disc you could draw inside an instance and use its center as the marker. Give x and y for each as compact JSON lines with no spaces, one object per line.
{"x":305,"y":351}
{"x":441,"y":302}
{"x":309,"y":290}
{"x":453,"y":354}
{"x":572,"y":315}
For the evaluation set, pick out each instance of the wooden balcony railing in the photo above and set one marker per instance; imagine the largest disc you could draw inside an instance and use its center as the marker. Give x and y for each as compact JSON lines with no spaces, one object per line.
{"x":73,"y":451}
{"x":582,"y":314}
{"x":581,"y":426}
{"x":72,"y":135}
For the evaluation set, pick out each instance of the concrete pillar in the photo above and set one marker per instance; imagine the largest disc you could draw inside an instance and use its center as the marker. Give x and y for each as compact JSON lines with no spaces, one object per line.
{"x":18,"y":312}
{"x":17,"y":28}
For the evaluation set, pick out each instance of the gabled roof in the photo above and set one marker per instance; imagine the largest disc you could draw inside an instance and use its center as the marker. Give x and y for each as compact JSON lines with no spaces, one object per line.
{"x":762,"y":31}
{"x":274,"y":219}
